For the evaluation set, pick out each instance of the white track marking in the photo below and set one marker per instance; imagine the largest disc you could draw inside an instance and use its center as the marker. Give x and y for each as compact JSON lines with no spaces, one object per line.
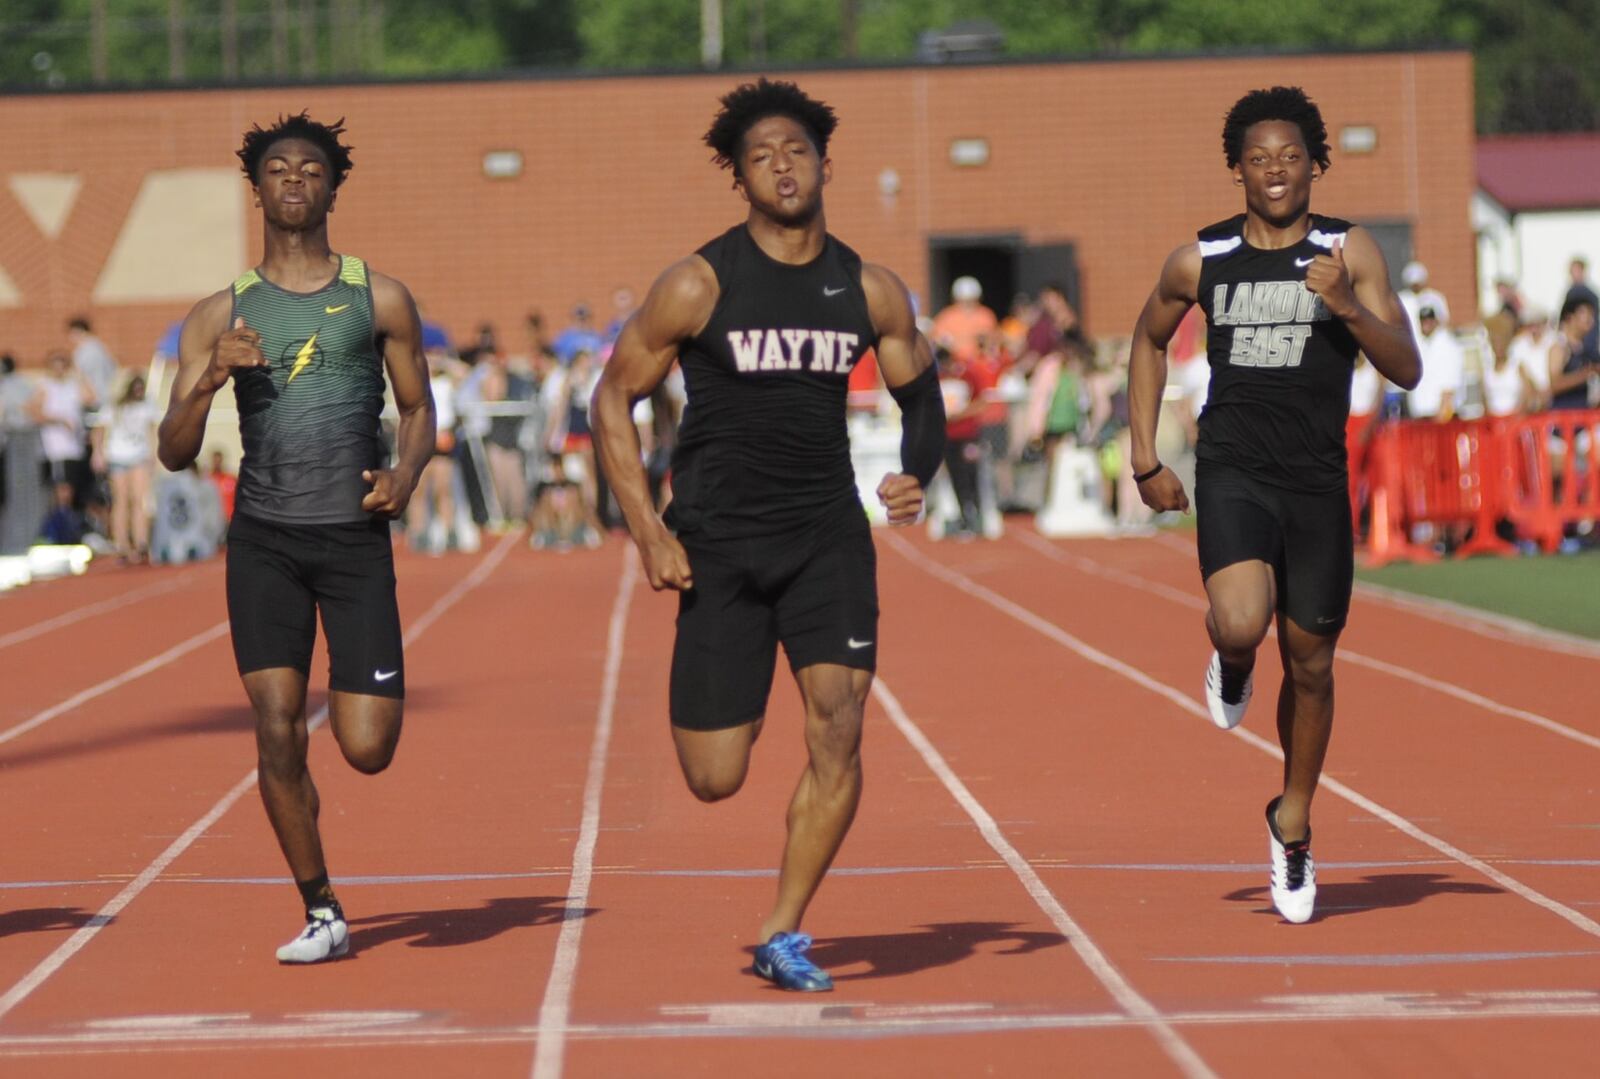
{"x":127,"y":599}
{"x":131,"y":891}
{"x":155,"y":663}
{"x":175,"y":1034}
{"x":1127,"y":997}
{"x":1498,"y":627}
{"x":1055,"y":633}
{"x":1176,"y":595}
{"x":551,"y":1044}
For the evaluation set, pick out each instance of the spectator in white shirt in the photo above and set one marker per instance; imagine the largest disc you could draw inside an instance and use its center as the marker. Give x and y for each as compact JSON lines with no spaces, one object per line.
{"x":1443,"y":368}
{"x":1416,"y":295}
{"x":1530,"y":351}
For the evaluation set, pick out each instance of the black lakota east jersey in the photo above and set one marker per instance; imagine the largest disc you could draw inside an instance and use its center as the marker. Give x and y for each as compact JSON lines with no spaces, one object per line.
{"x":1280,"y":362}
{"x":763,"y":447}
{"x":310,"y":420}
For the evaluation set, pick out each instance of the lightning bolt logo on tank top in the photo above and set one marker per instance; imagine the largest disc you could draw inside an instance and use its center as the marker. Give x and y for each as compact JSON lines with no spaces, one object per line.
{"x":1280,"y":362}
{"x":763,"y":446}
{"x":309,"y":421}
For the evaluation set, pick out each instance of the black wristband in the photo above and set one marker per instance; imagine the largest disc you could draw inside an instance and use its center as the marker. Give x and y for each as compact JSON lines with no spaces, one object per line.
{"x":1140,"y":477}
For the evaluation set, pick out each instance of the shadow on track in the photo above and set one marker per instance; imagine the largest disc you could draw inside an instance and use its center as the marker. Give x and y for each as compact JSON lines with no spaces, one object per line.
{"x":43,"y":920}
{"x":459,"y":926}
{"x":1373,"y":892}
{"x":892,"y":955}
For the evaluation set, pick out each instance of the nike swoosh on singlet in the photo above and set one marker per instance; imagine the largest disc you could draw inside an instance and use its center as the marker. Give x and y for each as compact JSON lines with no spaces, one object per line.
{"x":1303,"y":263}
{"x":826,"y":291}
{"x":335,"y":310}
{"x":383,"y":676}
{"x":853,"y":643}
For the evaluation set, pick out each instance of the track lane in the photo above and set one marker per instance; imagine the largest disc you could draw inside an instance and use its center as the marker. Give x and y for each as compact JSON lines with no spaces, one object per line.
{"x":1161,"y":789}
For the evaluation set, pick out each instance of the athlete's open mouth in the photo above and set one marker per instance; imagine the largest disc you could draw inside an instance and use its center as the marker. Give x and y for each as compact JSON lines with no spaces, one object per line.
{"x":787,"y":188}
{"x":1277,"y":191}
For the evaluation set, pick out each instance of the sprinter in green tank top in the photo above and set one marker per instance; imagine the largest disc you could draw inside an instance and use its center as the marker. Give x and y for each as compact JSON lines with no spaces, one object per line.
{"x":306,"y":337}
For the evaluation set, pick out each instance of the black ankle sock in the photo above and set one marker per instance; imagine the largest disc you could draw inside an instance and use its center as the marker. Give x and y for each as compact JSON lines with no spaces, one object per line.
{"x":317,"y":892}
{"x":1233,"y":679}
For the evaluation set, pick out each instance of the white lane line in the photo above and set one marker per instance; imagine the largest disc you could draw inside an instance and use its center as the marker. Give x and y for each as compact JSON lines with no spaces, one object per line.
{"x":1127,"y":997}
{"x":1188,"y":704}
{"x":154,"y":663}
{"x":79,"y":940}
{"x":115,"y":603}
{"x":1497,"y":627}
{"x":551,"y":1041}
{"x":1193,"y":602}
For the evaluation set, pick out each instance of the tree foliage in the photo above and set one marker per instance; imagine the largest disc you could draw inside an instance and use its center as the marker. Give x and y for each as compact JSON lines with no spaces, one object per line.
{"x":1534,"y":58}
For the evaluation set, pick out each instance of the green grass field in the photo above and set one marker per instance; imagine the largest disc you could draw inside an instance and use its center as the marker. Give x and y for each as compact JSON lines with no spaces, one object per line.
{"x":1558,"y":591}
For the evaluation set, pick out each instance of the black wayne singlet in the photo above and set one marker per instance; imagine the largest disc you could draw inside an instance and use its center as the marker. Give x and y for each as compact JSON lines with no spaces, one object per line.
{"x":763,"y":447}
{"x":309,"y":421}
{"x":1280,"y":362}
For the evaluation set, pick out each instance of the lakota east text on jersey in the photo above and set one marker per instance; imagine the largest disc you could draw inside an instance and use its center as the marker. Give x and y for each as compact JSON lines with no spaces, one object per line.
{"x":763,"y":448}
{"x":1280,"y":362}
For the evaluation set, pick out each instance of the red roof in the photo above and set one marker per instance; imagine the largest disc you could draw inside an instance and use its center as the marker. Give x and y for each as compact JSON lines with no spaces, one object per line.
{"x":1541,"y":172}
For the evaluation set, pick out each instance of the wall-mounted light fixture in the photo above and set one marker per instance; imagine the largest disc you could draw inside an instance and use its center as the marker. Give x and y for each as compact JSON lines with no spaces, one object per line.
{"x":1358,"y":139}
{"x":502,"y":164}
{"x":969,"y":153}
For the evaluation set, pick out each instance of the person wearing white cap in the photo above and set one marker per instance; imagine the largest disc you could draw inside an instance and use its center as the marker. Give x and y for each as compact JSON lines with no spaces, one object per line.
{"x":1416,"y":295}
{"x":960,"y":326}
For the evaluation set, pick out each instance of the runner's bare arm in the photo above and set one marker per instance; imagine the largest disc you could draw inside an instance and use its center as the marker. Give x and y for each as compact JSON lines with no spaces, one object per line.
{"x":1174,"y":294}
{"x":906,"y":361}
{"x":399,"y":330}
{"x":1353,"y":281}
{"x":678,"y":306}
{"x":208,"y":352}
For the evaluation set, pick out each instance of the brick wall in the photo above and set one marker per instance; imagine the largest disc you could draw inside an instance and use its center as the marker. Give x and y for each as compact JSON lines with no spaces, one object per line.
{"x":1121,"y":158}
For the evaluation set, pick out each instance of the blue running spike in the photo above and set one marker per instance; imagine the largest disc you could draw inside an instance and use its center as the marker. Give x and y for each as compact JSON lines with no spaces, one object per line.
{"x":782,"y":961}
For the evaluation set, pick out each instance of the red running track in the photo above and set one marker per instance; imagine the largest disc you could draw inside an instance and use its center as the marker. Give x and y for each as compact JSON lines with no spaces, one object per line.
{"x":1058,"y":868}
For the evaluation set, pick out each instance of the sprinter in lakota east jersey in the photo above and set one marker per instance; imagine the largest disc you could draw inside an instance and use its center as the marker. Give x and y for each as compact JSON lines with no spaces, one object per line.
{"x":766,"y":541}
{"x":1290,"y":298}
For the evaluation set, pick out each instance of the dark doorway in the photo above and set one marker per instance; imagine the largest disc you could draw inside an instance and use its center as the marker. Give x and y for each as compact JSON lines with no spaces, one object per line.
{"x":1394,"y":240}
{"x":1003,"y":264}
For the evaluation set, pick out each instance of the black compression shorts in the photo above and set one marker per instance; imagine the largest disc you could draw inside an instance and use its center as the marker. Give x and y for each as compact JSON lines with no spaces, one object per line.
{"x":280,"y":576}
{"x":1305,"y":537}
{"x":815,"y":592}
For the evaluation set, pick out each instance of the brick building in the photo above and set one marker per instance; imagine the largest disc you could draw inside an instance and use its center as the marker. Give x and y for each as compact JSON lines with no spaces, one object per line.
{"x":494,"y":198}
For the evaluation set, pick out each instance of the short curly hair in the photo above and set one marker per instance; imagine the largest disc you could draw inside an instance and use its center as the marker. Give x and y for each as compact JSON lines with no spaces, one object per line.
{"x":744,"y":107}
{"x":258,"y":140}
{"x":1287,"y":103}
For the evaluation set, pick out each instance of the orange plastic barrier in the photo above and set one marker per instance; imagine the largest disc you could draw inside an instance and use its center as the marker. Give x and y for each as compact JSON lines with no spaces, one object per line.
{"x":1388,"y":534}
{"x":1540,"y":472}
{"x":1554,"y":478}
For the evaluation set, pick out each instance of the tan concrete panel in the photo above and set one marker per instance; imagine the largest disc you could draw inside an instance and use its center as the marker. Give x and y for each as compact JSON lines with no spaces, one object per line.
{"x":47,"y":197}
{"x":183,"y":234}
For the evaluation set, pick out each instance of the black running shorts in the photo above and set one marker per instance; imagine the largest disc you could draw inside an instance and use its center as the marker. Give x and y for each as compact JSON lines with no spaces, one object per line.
{"x":1305,"y":537}
{"x":816,"y":593}
{"x":280,"y":576}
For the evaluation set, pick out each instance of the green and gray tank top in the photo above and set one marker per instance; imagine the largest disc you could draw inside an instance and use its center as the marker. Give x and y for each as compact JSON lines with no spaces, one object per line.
{"x":310,"y":420}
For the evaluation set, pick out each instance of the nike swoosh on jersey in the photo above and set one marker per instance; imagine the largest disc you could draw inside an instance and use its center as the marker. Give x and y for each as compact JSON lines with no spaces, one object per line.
{"x":1303,"y":263}
{"x":826,"y":291}
{"x":384,"y":676}
{"x":853,"y":643}
{"x":335,"y":310}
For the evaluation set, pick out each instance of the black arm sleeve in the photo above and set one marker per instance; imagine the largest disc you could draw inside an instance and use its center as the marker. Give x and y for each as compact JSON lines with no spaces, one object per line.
{"x":921,"y":426}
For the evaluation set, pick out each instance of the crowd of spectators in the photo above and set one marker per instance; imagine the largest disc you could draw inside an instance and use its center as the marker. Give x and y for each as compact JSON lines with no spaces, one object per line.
{"x":514,"y":447}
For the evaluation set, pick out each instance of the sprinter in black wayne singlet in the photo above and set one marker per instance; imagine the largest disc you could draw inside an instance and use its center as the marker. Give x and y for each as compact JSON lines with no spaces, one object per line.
{"x":306,"y":337}
{"x":766,"y":540}
{"x":1289,"y":297}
